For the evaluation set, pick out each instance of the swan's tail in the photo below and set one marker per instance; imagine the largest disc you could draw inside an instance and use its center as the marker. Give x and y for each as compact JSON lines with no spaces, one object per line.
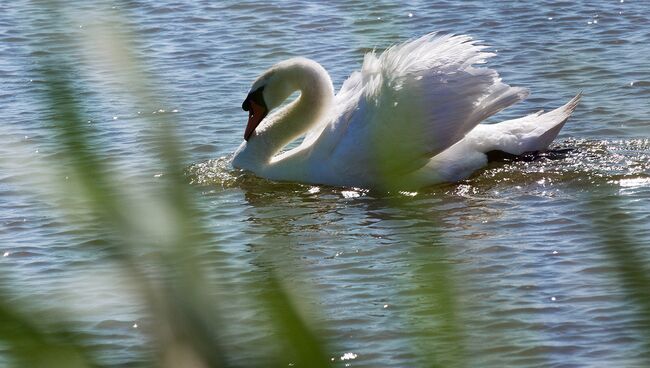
{"x":508,"y":139}
{"x":555,"y":119}
{"x":527,"y":134}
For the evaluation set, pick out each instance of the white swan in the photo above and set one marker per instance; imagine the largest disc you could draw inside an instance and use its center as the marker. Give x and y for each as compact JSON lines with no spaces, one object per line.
{"x":410,"y":118}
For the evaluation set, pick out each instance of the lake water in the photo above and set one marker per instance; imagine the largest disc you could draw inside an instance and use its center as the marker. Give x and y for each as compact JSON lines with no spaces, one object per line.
{"x":525,"y":247}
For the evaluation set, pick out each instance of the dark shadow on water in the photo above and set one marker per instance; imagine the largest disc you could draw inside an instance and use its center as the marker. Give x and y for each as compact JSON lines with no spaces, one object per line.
{"x":553,"y":154}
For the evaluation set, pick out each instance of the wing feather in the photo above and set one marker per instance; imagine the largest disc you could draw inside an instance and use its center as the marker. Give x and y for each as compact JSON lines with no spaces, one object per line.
{"x":410,"y":103}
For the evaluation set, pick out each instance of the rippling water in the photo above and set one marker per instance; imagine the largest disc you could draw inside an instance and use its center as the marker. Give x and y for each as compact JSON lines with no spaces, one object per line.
{"x":524,"y":243}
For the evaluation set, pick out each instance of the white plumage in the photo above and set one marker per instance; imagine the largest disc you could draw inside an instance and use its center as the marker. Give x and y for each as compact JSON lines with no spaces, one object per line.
{"x":408,"y":119}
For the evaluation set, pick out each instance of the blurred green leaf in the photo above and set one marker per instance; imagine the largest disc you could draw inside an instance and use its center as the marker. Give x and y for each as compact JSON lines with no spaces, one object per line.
{"x":302,"y":346}
{"x":40,"y":346}
{"x":619,"y":244}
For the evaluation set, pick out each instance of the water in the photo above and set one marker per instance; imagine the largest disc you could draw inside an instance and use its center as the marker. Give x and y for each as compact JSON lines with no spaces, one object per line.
{"x":522,"y":243}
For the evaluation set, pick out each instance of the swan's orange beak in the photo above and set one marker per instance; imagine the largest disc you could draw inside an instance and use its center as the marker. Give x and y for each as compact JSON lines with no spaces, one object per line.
{"x":256,"y":113}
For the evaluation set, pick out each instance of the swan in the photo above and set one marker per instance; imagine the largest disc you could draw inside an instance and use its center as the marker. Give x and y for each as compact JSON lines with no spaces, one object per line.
{"x":408,"y":119}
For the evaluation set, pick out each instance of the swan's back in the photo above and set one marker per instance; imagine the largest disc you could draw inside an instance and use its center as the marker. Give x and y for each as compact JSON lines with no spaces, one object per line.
{"x":412,"y":102}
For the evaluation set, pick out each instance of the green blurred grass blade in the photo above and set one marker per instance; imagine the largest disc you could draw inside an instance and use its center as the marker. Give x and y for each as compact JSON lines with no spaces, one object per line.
{"x":437,"y":330}
{"x":610,"y":221}
{"x":186,"y":334}
{"x":32,"y":346}
{"x":439,"y":293}
{"x":304,"y":347}
{"x":183,"y":323}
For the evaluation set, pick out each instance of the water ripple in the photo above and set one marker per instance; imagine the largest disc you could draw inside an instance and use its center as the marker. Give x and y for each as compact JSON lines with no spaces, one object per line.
{"x":535,"y":285}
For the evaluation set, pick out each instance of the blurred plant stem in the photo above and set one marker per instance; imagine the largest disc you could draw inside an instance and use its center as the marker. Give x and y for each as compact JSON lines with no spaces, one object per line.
{"x":186,"y":317}
{"x":30,"y":346}
{"x":624,"y":253}
{"x":437,"y":329}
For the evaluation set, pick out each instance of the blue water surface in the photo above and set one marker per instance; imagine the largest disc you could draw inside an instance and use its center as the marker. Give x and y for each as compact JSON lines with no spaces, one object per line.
{"x":524,"y":245}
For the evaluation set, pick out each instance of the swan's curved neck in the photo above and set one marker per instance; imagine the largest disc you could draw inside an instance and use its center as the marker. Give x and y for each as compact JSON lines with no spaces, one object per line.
{"x":294,"y":120}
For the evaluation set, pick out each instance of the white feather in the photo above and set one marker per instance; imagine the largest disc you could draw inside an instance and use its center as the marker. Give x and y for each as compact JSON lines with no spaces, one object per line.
{"x":410,"y":117}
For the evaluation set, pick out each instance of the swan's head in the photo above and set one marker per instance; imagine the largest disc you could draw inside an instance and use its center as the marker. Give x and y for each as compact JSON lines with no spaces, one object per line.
{"x":272,"y":88}
{"x":257,"y":109}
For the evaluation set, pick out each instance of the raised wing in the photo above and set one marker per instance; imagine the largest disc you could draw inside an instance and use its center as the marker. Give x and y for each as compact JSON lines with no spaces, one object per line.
{"x":411,"y":103}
